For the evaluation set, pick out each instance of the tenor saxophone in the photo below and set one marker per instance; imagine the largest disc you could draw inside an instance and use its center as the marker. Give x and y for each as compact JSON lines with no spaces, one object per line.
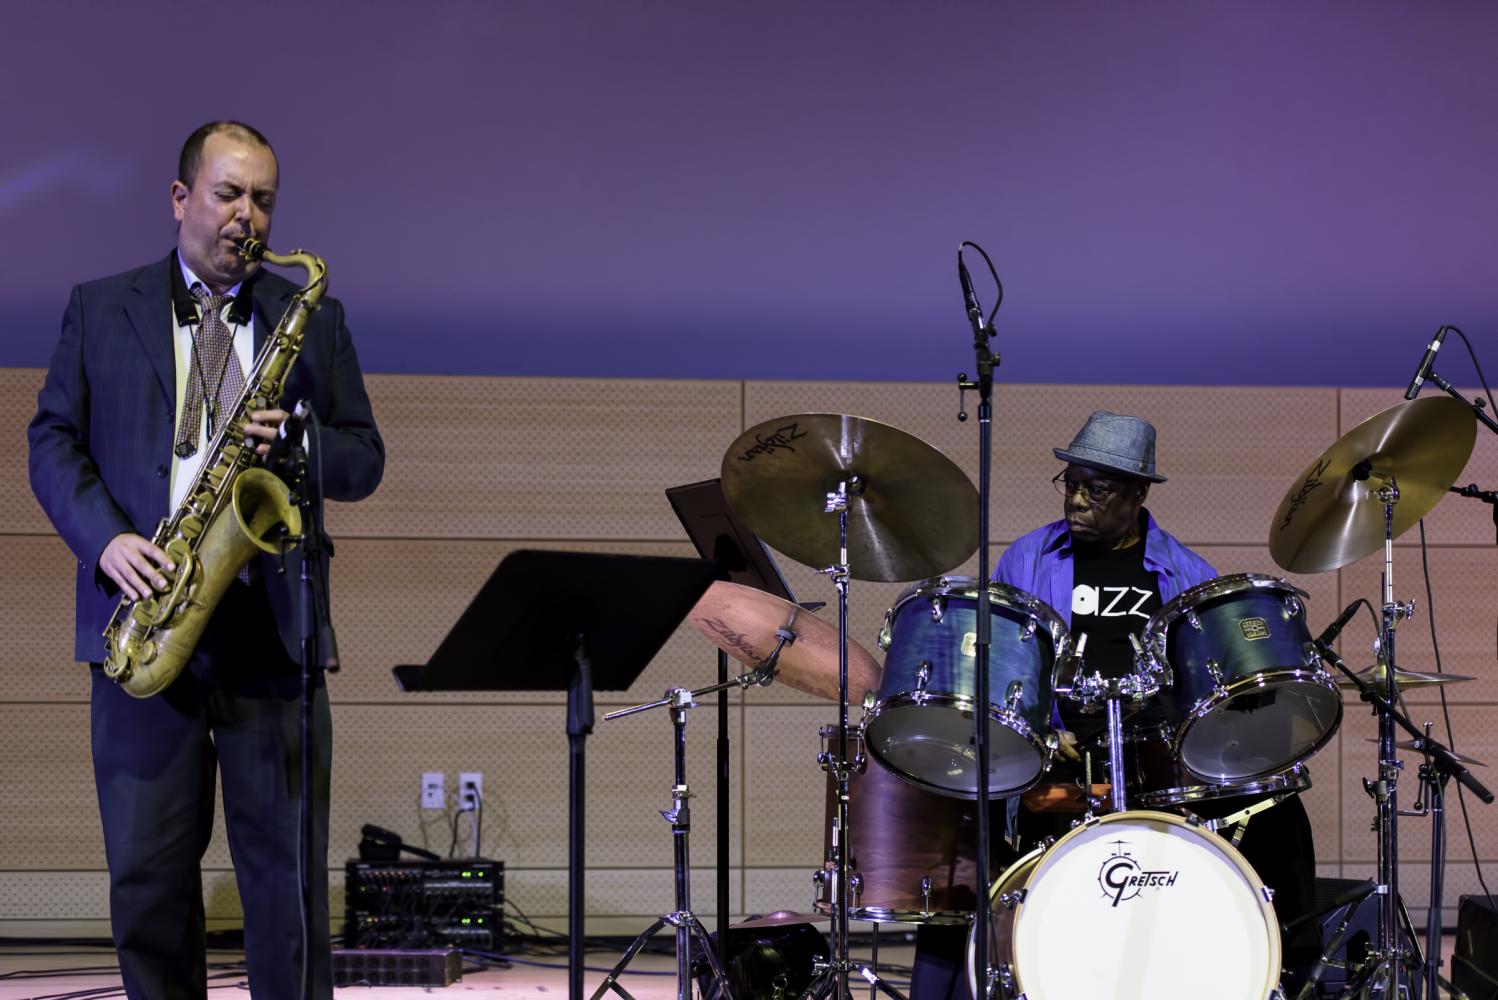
{"x":233,"y":509}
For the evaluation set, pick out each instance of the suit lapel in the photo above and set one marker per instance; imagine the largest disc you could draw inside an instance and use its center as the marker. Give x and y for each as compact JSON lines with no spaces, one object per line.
{"x":149,"y":311}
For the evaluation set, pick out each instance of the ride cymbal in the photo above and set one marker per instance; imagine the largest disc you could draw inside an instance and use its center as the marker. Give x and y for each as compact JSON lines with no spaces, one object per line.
{"x":743,"y":621}
{"x":912,"y":513}
{"x":1333,"y":514}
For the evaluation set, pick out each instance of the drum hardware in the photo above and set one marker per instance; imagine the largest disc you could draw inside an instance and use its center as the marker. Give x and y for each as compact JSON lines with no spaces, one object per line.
{"x":916,"y":514}
{"x":1371,"y":485}
{"x":831,"y":977}
{"x":679,"y":700}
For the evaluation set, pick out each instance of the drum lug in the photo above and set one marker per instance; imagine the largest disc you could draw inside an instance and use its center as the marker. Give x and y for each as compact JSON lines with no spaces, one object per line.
{"x":888,"y":631}
{"x":926,"y":894}
{"x":1268,"y":893}
{"x":1215,"y":669}
{"x":1009,"y":900}
{"x":1313,"y":659}
{"x":1030,"y":627}
{"x":1194,"y":621}
{"x":922,"y":678}
{"x":1293,"y":606}
{"x":1013,"y":696}
{"x":855,"y":882}
{"x":938,"y":609}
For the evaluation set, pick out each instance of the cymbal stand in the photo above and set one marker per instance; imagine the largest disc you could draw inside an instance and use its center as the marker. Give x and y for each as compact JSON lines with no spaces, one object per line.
{"x":678,"y":700}
{"x":1440,"y":764}
{"x":1383,"y":976}
{"x":831,"y":978}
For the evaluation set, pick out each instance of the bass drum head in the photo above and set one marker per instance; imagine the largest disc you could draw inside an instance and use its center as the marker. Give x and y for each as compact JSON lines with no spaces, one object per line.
{"x":1143,"y":906}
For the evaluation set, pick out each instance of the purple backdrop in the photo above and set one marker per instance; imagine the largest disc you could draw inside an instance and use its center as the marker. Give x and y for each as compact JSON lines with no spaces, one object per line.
{"x":1267,"y":192}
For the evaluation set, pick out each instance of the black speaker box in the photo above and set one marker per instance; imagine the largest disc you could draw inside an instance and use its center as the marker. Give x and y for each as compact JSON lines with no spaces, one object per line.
{"x":1474,"y":966}
{"x":766,"y":963}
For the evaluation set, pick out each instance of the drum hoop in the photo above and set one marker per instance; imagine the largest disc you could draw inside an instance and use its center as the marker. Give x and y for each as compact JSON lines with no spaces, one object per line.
{"x":1292,"y":782}
{"x":964,"y":704}
{"x":967,"y":586}
{"x":1217,"y":698}
{"x":1221,"y":586}
{"x":882,"y":915}
{"x":1256,"y":884}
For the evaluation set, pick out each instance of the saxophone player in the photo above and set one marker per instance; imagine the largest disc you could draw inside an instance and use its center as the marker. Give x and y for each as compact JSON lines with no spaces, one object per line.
{"x":146,"y":362}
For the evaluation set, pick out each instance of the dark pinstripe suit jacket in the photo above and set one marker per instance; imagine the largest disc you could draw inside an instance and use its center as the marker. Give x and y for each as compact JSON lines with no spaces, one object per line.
{"x":101,"y":440}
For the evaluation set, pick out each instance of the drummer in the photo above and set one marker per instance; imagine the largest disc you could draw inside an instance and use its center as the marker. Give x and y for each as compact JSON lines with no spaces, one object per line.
{"x":1106,"y":567}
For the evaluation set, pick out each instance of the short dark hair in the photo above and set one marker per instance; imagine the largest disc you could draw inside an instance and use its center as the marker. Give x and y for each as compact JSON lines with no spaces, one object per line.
{"x":192,"y":150}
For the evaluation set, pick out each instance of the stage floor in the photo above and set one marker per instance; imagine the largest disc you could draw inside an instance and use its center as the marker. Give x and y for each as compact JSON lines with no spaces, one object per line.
{"x":92,"y":970}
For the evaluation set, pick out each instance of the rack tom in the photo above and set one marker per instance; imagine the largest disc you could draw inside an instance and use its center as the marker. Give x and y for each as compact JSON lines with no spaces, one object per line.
{"x":921,"y":726}
{"x":1250,"y":697}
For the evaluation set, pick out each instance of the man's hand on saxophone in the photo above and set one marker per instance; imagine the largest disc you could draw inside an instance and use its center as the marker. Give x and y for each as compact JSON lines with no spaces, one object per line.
{"x":135,"y":565}
{"x":264,"y":424}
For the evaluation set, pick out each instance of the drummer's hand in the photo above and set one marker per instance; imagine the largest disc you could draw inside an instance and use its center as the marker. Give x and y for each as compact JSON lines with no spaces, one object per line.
{"x":1066,"y":743}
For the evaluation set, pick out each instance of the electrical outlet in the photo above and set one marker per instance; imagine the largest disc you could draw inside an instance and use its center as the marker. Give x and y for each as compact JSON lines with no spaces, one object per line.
{"x":433,"y":790}
{"x":470,"y":782}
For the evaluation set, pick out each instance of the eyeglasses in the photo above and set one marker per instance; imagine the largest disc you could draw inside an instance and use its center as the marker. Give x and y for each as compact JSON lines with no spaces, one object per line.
{"x":1095,"y":492}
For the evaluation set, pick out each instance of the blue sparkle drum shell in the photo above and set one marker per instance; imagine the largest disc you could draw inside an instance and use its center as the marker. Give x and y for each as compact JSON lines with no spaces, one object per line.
{"x":921,"y":725}
{"x":1250,"y":698}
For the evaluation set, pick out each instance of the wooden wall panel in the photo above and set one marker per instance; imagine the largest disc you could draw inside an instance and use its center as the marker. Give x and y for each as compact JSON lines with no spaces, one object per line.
{"x":480,"y":467}
{"x":19,"y":511}
{"x":36,"y":591}
{"x":539,"y":458}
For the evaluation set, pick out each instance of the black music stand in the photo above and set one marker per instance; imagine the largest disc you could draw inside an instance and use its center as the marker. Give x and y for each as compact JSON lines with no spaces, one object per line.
{"x":573,"y":621}
{"x":739,"y":557}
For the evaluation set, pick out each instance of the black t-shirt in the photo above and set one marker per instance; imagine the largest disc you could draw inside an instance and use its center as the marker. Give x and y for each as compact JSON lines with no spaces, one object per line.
{"x":1112,"y":597}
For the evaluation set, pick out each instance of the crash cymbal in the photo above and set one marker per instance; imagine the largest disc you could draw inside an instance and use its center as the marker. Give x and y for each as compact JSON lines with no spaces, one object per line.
{"x":1414,"y":745}
{"x":912,"y":512}
{"x":743,"y":621}
{"x":1376,"y":677}
{"x":1332,"y":514}
{"x":780,"y":918}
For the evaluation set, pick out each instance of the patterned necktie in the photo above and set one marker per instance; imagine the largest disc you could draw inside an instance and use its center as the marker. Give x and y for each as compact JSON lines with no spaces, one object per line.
{"x":214,"y":378}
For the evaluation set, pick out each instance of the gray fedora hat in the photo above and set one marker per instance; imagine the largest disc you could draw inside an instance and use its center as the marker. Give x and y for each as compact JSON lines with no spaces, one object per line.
{"x":1116,"y":443}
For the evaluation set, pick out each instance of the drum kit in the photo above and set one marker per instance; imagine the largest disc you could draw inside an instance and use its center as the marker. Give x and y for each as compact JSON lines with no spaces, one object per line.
{"x":1143,"y":897}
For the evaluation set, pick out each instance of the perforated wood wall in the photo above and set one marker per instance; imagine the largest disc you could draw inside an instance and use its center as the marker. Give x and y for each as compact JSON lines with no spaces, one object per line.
{"x":480,"y":467}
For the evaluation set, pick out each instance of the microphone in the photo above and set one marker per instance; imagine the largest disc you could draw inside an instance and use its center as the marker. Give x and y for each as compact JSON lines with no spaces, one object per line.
{"x":1425,"y":362}
{"x":969,"y":297}
{"x":1336,"y":627}
{"x":289,"y":434}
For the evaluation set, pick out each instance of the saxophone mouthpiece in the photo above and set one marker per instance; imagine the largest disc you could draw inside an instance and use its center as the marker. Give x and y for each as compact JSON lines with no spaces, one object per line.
{"x":251,"y":249}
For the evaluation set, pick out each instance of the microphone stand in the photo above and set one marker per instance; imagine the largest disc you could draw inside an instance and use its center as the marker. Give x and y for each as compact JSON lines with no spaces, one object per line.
{"x":312,"y":624}
{"x":1479,"y":406}
{"x":986,"y":362}
{"x":1489,"y":497}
